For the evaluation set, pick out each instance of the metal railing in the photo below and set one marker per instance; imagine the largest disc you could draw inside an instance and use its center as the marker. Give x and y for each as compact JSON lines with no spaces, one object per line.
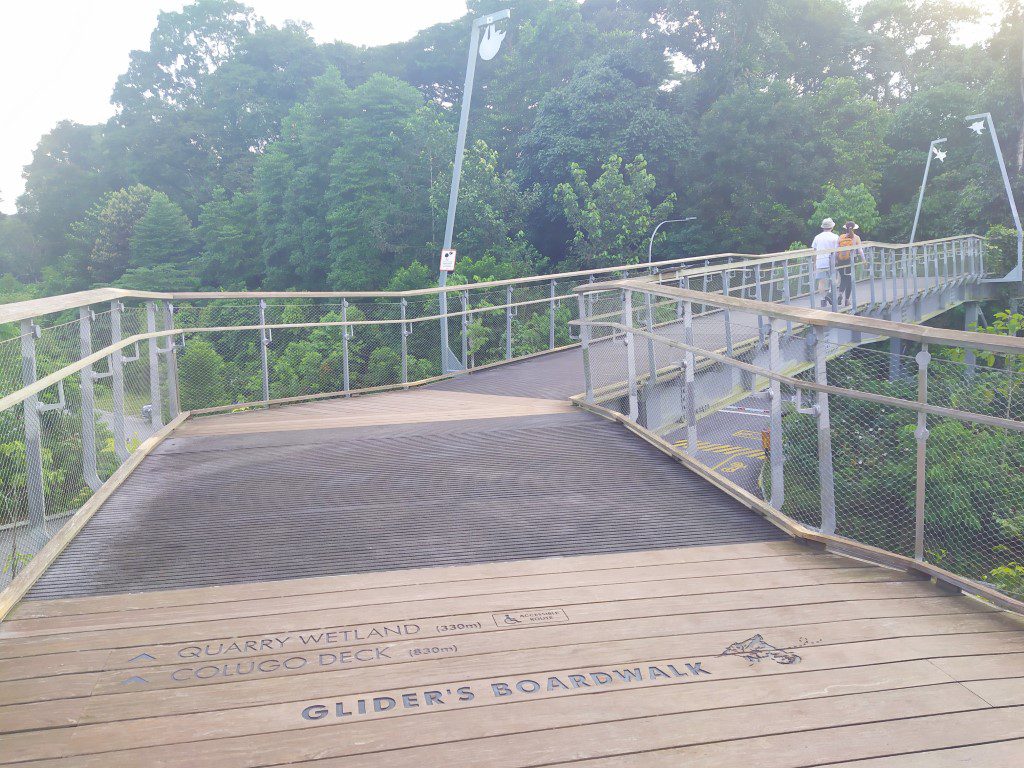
{"x":889,"y":437}
{"x":87,"y":378}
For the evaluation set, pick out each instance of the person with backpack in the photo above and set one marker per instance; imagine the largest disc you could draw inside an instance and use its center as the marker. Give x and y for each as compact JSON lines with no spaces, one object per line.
{"x":824,"y":245}
{"x":844,"y":261}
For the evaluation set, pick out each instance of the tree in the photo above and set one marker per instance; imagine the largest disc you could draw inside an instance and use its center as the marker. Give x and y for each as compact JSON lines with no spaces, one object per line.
{"x":611,"y":218}
{"x":203,"y":376}
{"x":101,"y":242}
{"x":230,"y":240}
{"x":853,"y":204}
{"x":163,"y":236}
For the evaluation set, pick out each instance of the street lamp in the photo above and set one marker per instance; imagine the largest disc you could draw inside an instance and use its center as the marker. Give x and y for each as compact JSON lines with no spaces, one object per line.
{"x":487,"y":50}
{"x":650,"y":246}
{"x":933,"y":151}
{"x":978,"y":126}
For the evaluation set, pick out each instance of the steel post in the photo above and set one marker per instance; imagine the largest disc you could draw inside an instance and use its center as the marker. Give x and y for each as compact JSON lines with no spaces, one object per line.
{"x":89,"y":470}
{"x":871,"y":273}
{"x":117,"y":383}
{"x":404,"y":304}
{"x":346,"y":335}
{"x":173,"y":396}
{"x":972,"y":310}
{"x":727,"y":314}
{"x":33,"y":428}
{"x":508,"y":322}
{"x":265,"y":340}
{"x":464,"y":325}
{"x":826,"y":476}
{"x":585,"y":345}
{"x":921,"y":435}
{"x":758,"y":297}
{"x":775,"y":448}
{"x":551,"y":318}
{"x":156,"y":407}
{"x":689,"y":387}
{"x":627,"y":320}
{"x":812,"y":266}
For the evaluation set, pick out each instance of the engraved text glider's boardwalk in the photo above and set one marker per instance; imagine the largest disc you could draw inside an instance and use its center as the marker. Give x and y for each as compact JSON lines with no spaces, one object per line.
{"x":766,"y":654}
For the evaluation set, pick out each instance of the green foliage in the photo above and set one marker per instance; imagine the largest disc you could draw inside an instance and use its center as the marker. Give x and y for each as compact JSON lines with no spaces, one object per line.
{"x":1000,"y":250}
{"x":612,"y":217}
{"x":203,"y":376}
{"x":163,"y":236}
{"x":852,"y":204}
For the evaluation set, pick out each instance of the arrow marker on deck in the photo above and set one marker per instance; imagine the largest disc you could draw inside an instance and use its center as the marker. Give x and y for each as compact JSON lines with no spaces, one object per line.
{"x":142,"y":657}
{"x":135,"y":679}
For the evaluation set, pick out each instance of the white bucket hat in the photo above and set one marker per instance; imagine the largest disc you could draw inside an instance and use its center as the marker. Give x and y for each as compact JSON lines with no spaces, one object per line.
{"x":828,"y":224}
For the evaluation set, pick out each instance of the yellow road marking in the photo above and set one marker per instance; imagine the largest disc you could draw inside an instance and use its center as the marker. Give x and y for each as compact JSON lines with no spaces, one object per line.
{"x":726,"y":449}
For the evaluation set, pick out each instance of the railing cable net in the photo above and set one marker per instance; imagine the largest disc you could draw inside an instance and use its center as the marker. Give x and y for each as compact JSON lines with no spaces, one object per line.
{"x":82,"y":388}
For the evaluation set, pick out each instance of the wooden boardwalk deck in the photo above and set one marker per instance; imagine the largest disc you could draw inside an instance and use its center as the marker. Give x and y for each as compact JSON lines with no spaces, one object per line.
{"x":764,"y":654}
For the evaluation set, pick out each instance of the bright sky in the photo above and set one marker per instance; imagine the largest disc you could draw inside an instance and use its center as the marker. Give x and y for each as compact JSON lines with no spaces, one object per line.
{"x":59,"y":58}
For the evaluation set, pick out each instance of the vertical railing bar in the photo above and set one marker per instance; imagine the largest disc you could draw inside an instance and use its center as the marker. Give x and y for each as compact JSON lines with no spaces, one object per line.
{"x":585,"y":345}
{"x":689,"y":386}
{"x":34,"y":486}
{"x":89,"y":467}
{"x":265,"y":340}
{"x":508,"y":321}
{"x":775,"y":446}
{"x":156,"y":406}
{"x":825,"y":474}
{"x":404,"y":304}
{"x":173,"y":396}
{"x":921,"y":435}
{"x":117,"y":382}
{"x":627,"y":320}
{"x":551,"y":317}
{"x":345,"y":336}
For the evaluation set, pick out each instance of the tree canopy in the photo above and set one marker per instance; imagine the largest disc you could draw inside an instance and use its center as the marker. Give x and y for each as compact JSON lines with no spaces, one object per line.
{"x":245,"y":155}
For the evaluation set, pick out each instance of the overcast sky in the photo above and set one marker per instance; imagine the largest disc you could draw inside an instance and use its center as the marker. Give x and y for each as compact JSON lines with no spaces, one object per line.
{"x":59,"y":58}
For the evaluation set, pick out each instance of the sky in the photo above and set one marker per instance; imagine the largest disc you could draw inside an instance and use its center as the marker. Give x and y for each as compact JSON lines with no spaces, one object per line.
{"x":59,"y":58}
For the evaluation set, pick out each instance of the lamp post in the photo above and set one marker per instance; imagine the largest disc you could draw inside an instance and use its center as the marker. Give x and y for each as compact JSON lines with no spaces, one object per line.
{"x":981,"y":121}
{"x":482,"y":28}
{"x":650,"y":246}
{"x":933,"y":151}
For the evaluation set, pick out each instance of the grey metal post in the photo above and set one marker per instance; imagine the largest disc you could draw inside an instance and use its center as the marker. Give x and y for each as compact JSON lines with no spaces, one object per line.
{"x":627,"y":320}
{"x":758,"y":297}
{"x":906,"y":269}
{"x":265,"y":340}
{"x":927,"y":271}
{"x":775,"y":448}
{"x":345,"y":336}
{"x":684,"y":283}
{"x":689,"y":387}
{"x":913,"y":263}
{"x":972,"y":309}
{"x":811,"y":287}
{"x":405,"y":341}
{"x":938,"y":266}
{"x":460,"y":147}
{"x":117,"y":383}
{"x":885,"y":276}
{"x":156,"y":415}
{"x":33,"y":428}
{"x":871,"y":273}
{"x":508,"y":322}
{"x":826,"y":476}
{"x":551,"y":318}
{"x":924,"y":181}
{"x":833,"y":287}
{"x":173,"y":397}
{"x":89,"y":470}
{"x":585,"y":344}
{"x":921,"y":435}
{"x":727,"y":314}
{"x":895,"y":350}
{"x":651,"y":360}
{"x":853,"y":279}
{"x":464,"y":325}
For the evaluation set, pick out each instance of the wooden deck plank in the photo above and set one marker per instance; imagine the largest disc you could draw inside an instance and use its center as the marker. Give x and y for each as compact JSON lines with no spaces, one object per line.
{"x":376,"y":595}
{"x":159,"y":676}
{"x":730,"y":651}
{"x":29,"y":609}
{"x":414,"y":407}
{"x":997,"y":753}
{"x":15,"y":647}
{"x":656,"y":599}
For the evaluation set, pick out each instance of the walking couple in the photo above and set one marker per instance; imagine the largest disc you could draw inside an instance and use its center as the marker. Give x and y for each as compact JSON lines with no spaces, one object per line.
{"x":828,"y":257}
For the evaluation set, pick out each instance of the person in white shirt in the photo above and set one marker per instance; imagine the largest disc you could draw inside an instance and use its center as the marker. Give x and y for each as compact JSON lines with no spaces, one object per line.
{"x":824,"y":245}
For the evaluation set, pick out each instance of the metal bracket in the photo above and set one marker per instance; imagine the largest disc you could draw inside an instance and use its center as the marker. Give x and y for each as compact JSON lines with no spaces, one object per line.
{"x":126,"y":359}
{"x":61,"y":405}
{"x":798,"y":404}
